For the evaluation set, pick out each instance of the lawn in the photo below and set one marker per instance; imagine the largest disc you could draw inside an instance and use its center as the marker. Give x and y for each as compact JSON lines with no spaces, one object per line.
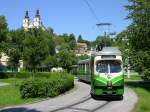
{"x":10,"y":95}
{"x":143,"y":92}
{"x":12,"y":81}
{"x":133,"y":77}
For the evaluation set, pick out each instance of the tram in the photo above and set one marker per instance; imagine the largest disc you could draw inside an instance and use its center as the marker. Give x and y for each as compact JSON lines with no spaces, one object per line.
{"x":104,"y":71}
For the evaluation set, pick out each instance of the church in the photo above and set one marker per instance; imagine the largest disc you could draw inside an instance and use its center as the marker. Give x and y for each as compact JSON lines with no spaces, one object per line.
{"x":27,"y":23}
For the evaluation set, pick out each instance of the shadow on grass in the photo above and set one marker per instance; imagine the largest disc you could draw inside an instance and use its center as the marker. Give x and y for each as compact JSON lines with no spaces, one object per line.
{"x":19,"y":110}
{"x":139,"y":84}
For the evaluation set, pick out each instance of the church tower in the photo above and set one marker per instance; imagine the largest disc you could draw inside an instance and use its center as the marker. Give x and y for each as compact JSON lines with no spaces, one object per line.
{"x":26,"y":21}
{"x":37,"y":20}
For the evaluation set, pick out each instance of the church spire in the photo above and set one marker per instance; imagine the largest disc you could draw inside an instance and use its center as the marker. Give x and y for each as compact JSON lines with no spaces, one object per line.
{"x":37,"y":13}
{"x":26,"y":15}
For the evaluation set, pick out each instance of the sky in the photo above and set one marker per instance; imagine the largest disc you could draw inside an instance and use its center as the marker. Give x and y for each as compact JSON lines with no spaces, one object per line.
{"x":69,"y":16}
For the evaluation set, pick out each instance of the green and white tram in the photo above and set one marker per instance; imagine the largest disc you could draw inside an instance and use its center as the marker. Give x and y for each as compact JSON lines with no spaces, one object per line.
{"x":104,"y":71}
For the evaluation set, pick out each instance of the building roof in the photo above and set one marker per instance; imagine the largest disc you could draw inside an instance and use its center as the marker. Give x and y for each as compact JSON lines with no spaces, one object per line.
{"x":82,"y":44}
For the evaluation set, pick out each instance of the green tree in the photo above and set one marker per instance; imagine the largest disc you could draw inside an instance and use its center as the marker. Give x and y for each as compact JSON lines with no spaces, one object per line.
{"x":3,"y":33}
{"x":138,"y":34}
{"x":105,"y":41}
{"x":36,"y":48}
{"x":51,"y":61}
{"x":72,"y":42}
{"x":80,"y":39}
{"x":66,"y":59}
{"x":15,"y":47}
{"x":48,"y":35}
{"x":139,"y":30}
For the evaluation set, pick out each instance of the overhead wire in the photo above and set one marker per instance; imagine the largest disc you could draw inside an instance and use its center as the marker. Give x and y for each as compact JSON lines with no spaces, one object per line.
{"x":92,"y":10}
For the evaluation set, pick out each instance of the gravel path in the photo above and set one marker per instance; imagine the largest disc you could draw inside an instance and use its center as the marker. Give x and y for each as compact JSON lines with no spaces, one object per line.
{"x":3,"y":84}
{"x":78,"y":100}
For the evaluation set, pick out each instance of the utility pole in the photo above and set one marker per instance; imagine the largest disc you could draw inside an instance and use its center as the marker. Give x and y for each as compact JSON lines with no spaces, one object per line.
{"x":105,"y":28}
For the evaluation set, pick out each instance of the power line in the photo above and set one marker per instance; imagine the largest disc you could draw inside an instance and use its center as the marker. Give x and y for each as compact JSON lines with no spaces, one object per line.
{"x":92,"y":10}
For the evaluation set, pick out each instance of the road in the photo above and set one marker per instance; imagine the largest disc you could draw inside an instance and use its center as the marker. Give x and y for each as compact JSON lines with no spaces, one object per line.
{"x":78,"y":100}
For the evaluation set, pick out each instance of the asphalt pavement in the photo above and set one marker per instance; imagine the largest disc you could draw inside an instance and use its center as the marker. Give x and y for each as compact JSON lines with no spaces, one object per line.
{"x":79,"y":100}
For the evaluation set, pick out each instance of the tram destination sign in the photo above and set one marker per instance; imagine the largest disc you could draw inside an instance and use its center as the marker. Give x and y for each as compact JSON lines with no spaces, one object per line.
{"x":108,"y":56}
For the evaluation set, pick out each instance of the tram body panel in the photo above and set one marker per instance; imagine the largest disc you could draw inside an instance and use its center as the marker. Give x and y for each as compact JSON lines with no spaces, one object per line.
{"x":105,"y":73}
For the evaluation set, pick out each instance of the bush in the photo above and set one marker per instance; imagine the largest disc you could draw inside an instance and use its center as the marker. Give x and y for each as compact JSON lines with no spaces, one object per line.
{"x":4,"y":75}
{"x":146,"y":74}
{"x":52,"y":86}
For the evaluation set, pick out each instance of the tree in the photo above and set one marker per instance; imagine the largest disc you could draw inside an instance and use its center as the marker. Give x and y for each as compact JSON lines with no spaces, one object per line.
{"x":66,"y":59}
{"x":105,"y":41}
{"x":48,"y":35}
{"x":72,"y":42}
{"x":3,"y":33}
{"x":51,"y":61}
{"x":139,"y":30}
{"x":36,"y":48}
{"x":138,"y":34}
{"x":15,"y":47}
{"x":80,"y":39}
{"x":65,"y":41}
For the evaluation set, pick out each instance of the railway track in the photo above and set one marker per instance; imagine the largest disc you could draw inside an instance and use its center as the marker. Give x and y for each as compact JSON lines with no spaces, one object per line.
{"x":80,"y":106}
{"x":78,"y":100}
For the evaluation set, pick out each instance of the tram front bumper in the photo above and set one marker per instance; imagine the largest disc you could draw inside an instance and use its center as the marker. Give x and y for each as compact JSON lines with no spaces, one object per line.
{"x":108,"y":88}
{"x":104,"y":90}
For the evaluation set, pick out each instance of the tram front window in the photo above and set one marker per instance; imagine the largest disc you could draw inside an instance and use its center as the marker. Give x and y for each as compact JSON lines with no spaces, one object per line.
{"x":102,"y":67}
{"x":108,"y":66}
{"x":115,"y":67}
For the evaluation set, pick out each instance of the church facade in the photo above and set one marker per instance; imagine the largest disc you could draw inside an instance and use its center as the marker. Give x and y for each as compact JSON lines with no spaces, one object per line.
{"x":27,"y":23}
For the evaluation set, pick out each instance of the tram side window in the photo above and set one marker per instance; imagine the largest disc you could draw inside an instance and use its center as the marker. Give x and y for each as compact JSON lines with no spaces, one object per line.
{"x":79,"y":67}
{"x":88,"y":67}
{"x":82,"y":68}
{"x":85,"y":67}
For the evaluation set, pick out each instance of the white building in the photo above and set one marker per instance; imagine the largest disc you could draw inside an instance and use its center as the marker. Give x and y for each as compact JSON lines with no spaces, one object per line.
{"x":3,"y":59}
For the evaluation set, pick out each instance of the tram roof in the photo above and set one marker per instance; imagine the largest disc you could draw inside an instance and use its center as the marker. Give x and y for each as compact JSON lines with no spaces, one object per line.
{"x":108,"y":51}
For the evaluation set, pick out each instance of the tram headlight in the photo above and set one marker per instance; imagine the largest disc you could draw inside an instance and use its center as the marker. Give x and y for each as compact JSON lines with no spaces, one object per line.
{"x":109,"y":83}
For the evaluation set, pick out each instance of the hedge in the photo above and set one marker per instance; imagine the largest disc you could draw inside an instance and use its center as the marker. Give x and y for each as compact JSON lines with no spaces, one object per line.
{"x":46,"y":87}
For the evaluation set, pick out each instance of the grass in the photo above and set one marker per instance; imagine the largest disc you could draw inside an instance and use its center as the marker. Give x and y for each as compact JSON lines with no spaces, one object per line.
{"x":10,"y":95}
{"x":143,"y":92}
{"x":12,"y":81}
{"x":133,"y":77}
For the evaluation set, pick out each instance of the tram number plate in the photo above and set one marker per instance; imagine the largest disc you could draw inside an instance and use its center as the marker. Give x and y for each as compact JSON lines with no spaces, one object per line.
{"x":109,"y":92}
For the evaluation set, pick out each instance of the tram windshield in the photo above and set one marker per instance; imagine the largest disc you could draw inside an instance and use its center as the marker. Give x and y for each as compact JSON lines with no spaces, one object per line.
{"x":107,"y":66}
